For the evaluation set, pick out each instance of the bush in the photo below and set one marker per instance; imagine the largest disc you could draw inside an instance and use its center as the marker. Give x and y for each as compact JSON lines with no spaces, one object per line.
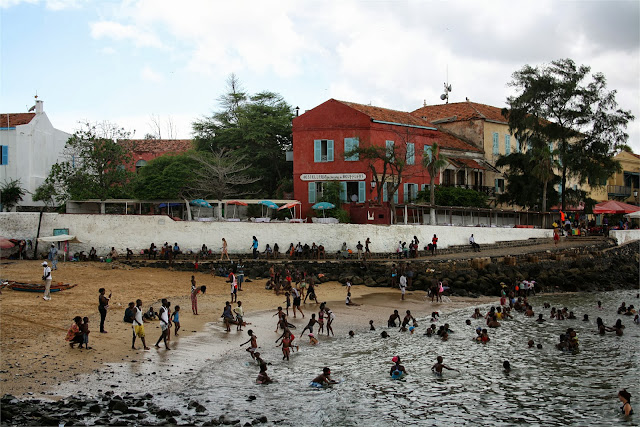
{"x":455,"y":196}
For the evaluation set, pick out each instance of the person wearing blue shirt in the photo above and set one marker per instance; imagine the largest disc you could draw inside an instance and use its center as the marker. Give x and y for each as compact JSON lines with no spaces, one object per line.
{"x":254,"y":246}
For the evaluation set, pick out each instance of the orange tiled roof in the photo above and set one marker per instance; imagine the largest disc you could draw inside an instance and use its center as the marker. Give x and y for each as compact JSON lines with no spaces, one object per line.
{"x":387,"y":115}
{"x":460,"y":111}
{"x":159,"y":145}
{"x":470,"y":163}
{"x":450,"y":142}
{"x":12,"y":120}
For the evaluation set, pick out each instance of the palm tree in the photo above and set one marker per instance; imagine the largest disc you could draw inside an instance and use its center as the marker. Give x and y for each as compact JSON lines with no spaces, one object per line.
{"x":433,"y":164}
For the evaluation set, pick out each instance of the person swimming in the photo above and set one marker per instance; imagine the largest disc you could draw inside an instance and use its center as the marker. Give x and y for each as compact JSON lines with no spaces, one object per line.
{"x":625,"y":398}
{"x":506,"y":365}
{"x":437,"y":368}
{"x":323,"y":379}
{"x":397,"y":370}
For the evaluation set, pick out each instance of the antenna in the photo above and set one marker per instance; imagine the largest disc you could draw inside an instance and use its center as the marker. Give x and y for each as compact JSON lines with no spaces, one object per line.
{"x":447,"y":89}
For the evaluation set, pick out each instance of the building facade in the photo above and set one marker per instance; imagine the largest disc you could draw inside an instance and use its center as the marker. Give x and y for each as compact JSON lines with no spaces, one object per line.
{"x":30,"y":145}
{"x":144,"y":150}
{"x":323,"y":135}
{"x":622,"y":186}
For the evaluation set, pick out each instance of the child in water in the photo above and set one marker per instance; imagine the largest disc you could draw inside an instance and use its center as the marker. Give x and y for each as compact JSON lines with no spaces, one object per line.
{"x":254,"y":344}
{"x":437,"y":368}
{"x":313,"y":340}
{"x":175,"y":318}
{"x":263,"y":378}
{"x":323,"y":379}
{"x":397,"y":370}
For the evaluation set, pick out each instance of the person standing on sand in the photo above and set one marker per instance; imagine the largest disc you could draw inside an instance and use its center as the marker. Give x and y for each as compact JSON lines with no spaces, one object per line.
{"x":434,"y":244}
{"x":224,"y":250}
{"x":103,"y":306}
{"x":163,"y":314}
{"x":138,"y":326}
{"x":403,"y":285}
{"x":46,"y":276}
{"x":240,"y":273}
{"x":254,"y":247}
{"x":194,"y":295}
{"x":53,"y":256}
{"x":367,"y":252}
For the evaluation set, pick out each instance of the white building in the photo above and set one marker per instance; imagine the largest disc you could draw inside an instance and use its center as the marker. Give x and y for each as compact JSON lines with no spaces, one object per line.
{"x":29,"y":145}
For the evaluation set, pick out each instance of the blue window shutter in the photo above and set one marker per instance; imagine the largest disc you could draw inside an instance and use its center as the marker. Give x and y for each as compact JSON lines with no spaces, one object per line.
{"x":517,"y":145}
{"x":423,"y":187}
{"x":411,"y":153}
{"x":350,"y":144}
{"x":343,"y":191}
{"x":560,"y":189}
{"x":497,"y":187}
{"x":428,"y":152}
{"x":496,"y":145}
{"x":347,"y":148}
{"x":312,"y":192}
{"x":329,"y":150}
{"x":405,"y":196}
{"x":317,"y":151}
{"x":385,"y":193}
{"x":362,"y":191}
{"x":507,"y":145}
{"x":395,"y":197}
{"x":5,"y":155}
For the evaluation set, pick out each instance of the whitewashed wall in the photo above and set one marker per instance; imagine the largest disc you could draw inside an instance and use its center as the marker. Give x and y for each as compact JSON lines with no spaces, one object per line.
{"x":624,"y":236}
{"x":138,"y":231}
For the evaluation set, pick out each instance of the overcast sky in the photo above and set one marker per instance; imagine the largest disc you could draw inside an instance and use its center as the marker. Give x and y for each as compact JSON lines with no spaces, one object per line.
{"x":124,"y":61}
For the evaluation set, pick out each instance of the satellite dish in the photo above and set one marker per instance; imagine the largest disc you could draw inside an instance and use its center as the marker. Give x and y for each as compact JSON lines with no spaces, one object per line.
{"x":443,"y":96}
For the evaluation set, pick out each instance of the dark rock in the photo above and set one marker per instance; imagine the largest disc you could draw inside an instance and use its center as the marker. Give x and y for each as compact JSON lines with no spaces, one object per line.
{"x":6,"y":415}
{"x":118,"y":405}
{"x":200,"y":408}
{"x":262,"y":419}
{"x":96,"y":409}
{"x":46,"y":420}
{"x":193,"y":404}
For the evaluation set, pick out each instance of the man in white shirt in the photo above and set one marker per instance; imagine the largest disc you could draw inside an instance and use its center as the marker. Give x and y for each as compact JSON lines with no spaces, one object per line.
{"x":138,"y":326}
{"x":163,"y":314}
{"x":474,"y":245}
{"x":46,"y":276}
{"x":403,"y":284}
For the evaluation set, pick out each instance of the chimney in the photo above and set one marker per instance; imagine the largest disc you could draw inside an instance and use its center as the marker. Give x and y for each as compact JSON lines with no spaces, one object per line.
{"x":39,"y":109}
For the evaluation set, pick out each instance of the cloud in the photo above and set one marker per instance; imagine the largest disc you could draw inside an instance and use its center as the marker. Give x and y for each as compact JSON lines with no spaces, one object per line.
{"x":120,"y":32}
{"x":149,"y":75}
{"x":54,"y":5}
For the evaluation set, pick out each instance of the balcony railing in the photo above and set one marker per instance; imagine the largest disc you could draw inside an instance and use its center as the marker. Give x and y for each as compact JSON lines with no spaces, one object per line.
{"x":489,"y":191}
{"x":619,"y":190}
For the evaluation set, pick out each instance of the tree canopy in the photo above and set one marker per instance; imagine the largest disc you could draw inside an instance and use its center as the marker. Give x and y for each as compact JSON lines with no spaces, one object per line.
{"x":11,"y":192}
{"x":94,"y":165}
{"x":257,"y":127}
{"x":563,"y":104}
{"x":165,"y":177}
{"x":520,"y":189}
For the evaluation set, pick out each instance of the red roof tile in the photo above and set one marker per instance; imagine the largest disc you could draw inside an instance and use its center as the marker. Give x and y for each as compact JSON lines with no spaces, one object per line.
{"x":12,"y":120}
{"x":470,"y":163}
{"x":387,"y":115}
{"x":159,"y":145}
{"x":450,"y":142}
{"x":460,"y":111}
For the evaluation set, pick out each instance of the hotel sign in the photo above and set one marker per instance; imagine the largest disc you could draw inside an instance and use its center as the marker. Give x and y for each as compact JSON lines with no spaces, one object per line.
{"x":333,"y":177}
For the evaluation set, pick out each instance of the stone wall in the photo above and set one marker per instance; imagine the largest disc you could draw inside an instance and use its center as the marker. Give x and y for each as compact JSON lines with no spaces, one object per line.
{"x":138,"y":231}
{"x":624,"y":236}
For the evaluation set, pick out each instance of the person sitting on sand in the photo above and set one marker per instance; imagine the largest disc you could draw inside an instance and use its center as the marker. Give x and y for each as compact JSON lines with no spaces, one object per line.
{"x":349,"y":302}
{"x":74,"y":334}
{"x":323,"y":379}
{"x":263,"y":378}
{"x":437,"y":368}
{"x":150,"y":314}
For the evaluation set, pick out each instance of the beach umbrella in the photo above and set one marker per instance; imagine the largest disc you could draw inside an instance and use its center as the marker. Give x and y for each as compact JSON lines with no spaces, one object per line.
{"x":614,"y":207}
{"x":323,"y":206}
{"x":635,"y":214}
{"x":236,"y":203}
{"x":200,"y":203}
{"x":268,"y":203}
{"x":6,"y":243}
{"x":290,"y":205}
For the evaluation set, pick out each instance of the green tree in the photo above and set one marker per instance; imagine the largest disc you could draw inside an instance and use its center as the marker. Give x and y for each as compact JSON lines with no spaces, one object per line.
{"x":94,"y":165}
{"x":521,"y":190}
{"x":165,"y":177}
{"x":257,"y":127}
{"x":563,"y":104}
{"x":455,"y":196}
{"x":11,"y":192}
{"x":434,"y":162}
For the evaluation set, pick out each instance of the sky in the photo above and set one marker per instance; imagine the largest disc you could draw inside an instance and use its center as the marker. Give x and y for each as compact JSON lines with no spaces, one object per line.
{"x":132,"y":61}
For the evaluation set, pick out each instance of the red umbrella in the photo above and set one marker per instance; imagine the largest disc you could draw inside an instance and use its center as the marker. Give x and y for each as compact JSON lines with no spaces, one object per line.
{"x":614,"y":207}
{"x":291,"y":205}
{"x":6,"y":243}
{"x":236,"y":203}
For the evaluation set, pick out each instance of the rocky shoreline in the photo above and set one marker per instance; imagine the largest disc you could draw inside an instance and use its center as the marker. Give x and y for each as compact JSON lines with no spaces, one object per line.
{"x":587,"y":268}
{"x":111,"y":409}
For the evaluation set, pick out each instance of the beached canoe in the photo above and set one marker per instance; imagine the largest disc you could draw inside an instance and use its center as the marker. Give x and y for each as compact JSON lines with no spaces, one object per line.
{"x":38,"y":287}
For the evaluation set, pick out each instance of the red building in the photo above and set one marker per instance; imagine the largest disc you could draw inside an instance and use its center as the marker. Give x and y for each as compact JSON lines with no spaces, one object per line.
{"x":145,"y":150}
{"x":321,"y":137}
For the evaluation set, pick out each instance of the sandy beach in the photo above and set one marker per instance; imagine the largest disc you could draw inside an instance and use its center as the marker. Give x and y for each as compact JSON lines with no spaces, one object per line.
{"x":35,"y":358}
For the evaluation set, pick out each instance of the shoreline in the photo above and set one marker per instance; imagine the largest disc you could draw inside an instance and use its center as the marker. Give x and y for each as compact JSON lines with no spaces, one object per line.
{"x":36,"y":361}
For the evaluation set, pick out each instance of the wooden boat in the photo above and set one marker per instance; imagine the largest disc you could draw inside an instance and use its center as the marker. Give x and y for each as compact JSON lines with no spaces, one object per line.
{"x":38,"y":287}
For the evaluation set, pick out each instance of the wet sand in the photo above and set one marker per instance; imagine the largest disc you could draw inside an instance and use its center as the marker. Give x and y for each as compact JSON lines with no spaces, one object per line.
{"x":36,"y":359}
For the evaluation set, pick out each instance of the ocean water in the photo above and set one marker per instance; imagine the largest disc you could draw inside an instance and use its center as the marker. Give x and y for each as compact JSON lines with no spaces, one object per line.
{"x":545,"y":386}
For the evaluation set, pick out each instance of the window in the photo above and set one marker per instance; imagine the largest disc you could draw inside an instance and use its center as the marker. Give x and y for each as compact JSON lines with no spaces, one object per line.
{"x":386,"y":189}
{"x":4,"y":160}
{"x":323,"y":150}
{"x":390,"y":150}
{"x":496,"y":146}
{"x":410,"y":192}
{"x":411,"y":153}
{"x":316,"y":191}
{"x":428,"y":152}
{"x":461,"y":178}
{"x":499,"y":184}
{"x":351,"y":144}
{"x":447,"y":177}
{"x":354,"y":191}
{"x":140,"y":164}
{"x":507,"y":145}
{"x":517,"y":145}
